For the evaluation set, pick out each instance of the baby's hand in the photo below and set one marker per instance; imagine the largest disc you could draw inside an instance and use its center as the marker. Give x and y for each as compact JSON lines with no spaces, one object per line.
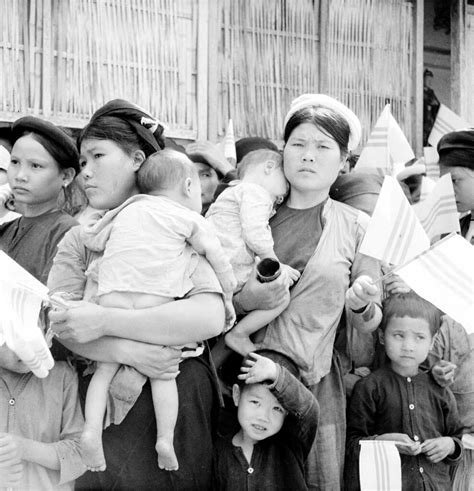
{"x":403,"y":442}
{"x":257,"y":369}
{"x":292,"y":275}
{"x":436,"y":449}
{"x":11,"y":467}
{"x":5,"y":194}
{"x":361,"y":293}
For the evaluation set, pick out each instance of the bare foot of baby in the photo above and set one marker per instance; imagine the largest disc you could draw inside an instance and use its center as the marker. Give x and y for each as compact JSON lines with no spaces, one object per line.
{"x":239,"y":343}
{"x":92,"y":453}
{"x":166,"y":457}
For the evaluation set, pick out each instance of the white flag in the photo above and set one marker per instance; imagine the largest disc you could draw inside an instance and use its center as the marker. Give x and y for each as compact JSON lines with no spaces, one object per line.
{"x":431,"y":158}
{"x":445,"y":122}
{"x":21,"y":296}
{"x":229,"y":144}
{"x":394,"y":233}
{"x":444,"y":275}
{"x":438,"y":213}
{"x":380,"y":467}
{"x":387,"y":147}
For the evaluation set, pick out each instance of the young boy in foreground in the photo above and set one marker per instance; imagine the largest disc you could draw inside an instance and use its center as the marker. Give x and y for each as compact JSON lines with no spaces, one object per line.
{"x":40,"y":426}
{"x":278,"y":419}
{"x":402,"y":404}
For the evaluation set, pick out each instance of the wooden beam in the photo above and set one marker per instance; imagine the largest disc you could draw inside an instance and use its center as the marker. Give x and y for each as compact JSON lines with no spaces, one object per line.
{"x":418,"y":78}
{"x":202,"y":69}
{"x":213,"y":73}
{"x":323,"y":46}
{"x":47,"y":61}
{"x":457,"y":56}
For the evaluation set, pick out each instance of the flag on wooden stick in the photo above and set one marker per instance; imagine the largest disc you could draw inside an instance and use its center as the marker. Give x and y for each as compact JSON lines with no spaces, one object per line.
{"x":394,"y":233}
{"x":21,"y":296}
{"x":387,"y":148}
{"x":229,"y":144}
{"x":431,"y":159}
{"x":445,"y":122}
{"x":444,"y":275}
{"x":438,"y":213}
{"x":380,"y":467}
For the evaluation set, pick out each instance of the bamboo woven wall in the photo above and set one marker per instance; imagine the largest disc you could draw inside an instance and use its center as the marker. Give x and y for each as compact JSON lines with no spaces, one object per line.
{"x":65,"y":58}
{"x":371,"y":53}
{"x":268,"y":54}
{"x":467,"y":102}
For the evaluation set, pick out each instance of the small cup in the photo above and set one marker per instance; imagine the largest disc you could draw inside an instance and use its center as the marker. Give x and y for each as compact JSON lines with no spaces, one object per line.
{"x":268,"y":269}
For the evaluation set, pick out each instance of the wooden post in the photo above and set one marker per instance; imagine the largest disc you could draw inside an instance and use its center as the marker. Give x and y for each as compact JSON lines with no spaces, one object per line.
{"x":323,"y":46}
{"x":213,"y":74}
{"x":457,"y":56}
{"x":202,"y":69}
{"x":418,"y":77}
{"x":47,"y":61}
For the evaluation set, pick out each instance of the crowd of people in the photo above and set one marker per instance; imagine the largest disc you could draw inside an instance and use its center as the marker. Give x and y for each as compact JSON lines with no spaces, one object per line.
{"x":215,"y":327}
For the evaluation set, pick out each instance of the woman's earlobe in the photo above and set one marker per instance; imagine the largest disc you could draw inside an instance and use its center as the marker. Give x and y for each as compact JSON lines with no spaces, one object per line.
{"x":68,"y":176}
{"x":138,"y":158}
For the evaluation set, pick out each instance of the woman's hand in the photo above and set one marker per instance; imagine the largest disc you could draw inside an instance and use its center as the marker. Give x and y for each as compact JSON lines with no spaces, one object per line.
{"x":262,"y":296}
{"x":11,"y":467}
{"x":443,"y":372}
{"x":257,"y":368}
{"x":404,"y":443}
{"x":80,"y":322}
{"x":212,"y":154}
{"x":361,"y":293}
{"x":154,"y":361}
{"x":437,"y":449}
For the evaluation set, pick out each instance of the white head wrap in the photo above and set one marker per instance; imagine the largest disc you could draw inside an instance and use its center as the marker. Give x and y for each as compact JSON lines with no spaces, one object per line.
{"x":322,"y":100}
{"x":4,"y":158}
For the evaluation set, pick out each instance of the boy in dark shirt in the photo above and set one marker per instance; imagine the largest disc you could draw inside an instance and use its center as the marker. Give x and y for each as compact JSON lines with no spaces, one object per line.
{"x":278,"y":419}
{"x":400,"y":403}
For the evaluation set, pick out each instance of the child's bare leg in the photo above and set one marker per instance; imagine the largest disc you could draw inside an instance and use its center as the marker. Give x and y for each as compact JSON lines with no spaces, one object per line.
{"x":165,"y":402}
{"x":239,"y":337}
{"x":92,"y":452}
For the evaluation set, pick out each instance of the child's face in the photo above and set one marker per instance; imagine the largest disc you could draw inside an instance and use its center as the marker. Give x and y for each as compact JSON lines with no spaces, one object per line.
{"x":278,"y":185}
{"x":259,"y":413}
{"x":463,"y":184}
{"x":407,"y":343}
{"x":10,"y":361}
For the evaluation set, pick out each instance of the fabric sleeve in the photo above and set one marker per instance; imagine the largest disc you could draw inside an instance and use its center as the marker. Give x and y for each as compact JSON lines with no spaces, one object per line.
{"x":255,"y":211}
{"x":453,"y":427}
{"x":68,"y":271}
{"x":364,"y":265}
{"x":302,"y":406}
{"x":68,"y":449}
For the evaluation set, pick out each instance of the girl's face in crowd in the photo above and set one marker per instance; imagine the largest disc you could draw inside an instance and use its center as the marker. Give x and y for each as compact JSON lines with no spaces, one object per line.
{"x":312,"y":159}
{"x":108,"y":173}
{"x":259,"y":413}
{"x":35,"y":177}
{"x":407,"y":343}
{"x":463,"y":184}
{"x":209,"y":182}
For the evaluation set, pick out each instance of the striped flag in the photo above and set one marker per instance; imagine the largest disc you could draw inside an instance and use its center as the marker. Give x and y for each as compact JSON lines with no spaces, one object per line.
{"x":426,"y":187}
{"x":438,"y":213}
{"x":229,"y":144}
{"x":21,"y":296}
{"x":380,"y":467}
{"x":444,"y":275}
{"x":431,"y":158}
{"x":394,"y":233}
{"x":387,"y":147}
{"x":445,"y":122}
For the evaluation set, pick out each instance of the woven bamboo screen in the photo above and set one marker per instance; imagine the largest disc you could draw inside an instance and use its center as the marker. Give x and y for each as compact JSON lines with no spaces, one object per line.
{"x":267,"y":55}
{"x":371,"y":54}
{"x":64,"y":58}
{"x":467,"y":103}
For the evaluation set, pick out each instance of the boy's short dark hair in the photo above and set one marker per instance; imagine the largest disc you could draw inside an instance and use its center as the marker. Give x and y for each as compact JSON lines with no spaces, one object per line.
{"x":165,"y":169}
{"x":410,"y":305}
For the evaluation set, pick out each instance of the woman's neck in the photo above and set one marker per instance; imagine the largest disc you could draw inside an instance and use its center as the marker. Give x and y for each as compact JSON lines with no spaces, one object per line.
{"x":37,"y":209}
{"x":306,"y":199}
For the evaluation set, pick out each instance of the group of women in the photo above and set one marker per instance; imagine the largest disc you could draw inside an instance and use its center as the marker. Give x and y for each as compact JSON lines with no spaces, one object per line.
{"x":312,"y":233}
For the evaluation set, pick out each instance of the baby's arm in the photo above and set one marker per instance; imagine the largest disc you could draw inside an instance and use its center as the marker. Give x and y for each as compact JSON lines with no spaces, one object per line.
{"x":203,"y":240}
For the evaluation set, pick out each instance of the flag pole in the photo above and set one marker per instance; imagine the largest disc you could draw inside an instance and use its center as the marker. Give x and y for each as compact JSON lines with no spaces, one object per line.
{"x":396,"y":268}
